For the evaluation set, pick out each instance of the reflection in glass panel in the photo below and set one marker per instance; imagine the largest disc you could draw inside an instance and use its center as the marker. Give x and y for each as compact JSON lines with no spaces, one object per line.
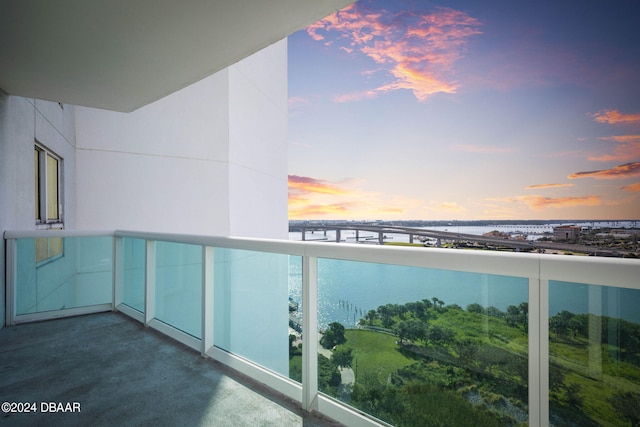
{"x":251,"y":306}
{"x":80,"y":278}
{"x":47,"y":248}
{"x":295,"y":318}
{"x":52,"y":188}
{"x":594,"y":352}
{"x":417,"y":347}
{"x":42,"y":249}
{"x":179,"y":286}
{"x":133,"y":256}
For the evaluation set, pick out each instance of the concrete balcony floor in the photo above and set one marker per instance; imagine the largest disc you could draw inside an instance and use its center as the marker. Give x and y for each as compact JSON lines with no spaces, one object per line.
{"x":122,"y":373}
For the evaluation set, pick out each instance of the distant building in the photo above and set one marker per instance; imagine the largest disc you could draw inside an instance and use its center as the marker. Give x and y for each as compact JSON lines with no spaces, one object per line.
{"x":566,"y":232}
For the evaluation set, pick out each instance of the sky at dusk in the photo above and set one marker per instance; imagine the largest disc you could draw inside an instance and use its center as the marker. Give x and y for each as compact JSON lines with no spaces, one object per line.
{"x":467,"y":110}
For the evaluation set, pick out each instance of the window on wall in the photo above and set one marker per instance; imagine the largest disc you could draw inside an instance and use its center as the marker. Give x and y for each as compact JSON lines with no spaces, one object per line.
{"x":47,"y":168}
{"x":48,"y":202}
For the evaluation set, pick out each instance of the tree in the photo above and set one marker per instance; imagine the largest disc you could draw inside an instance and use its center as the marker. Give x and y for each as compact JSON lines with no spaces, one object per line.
{"x":386,"y":313}
{"x":421,"y":311}
{"x":440,"y":335}
{"x":328,"y":376}
{"x":371,"y":316}
{"x":495,"y":312}
{"x":342,"y":357}
{"x":427,"y":303}
{"x":475,"y":308}
{"x":560,"y":322}
{"x":574,"y":398}
{"x":524,"y":315}
{"x":556,"y":378}
{"x":574,"y":325}
{"x":627,"y":404}
{"x":401,"y":330}
{"x":513,"y":315}
{"x":333,"y":336}
{"x":412,"y":329}
{"x":467,"y":351}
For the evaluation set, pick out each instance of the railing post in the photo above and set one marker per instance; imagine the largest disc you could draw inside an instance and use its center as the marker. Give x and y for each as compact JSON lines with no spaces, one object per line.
{"x":117,"y":266}
{"x":534,"y":352}
{"x":544,"y":352}
{"x":309,"y":332}
{"x":150,"y":281}
{"x":207,"y":299}
{"x":10,"y":282}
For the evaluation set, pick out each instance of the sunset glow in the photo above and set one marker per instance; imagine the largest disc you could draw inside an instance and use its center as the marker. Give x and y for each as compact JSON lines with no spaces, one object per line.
{"x":466,"y":110}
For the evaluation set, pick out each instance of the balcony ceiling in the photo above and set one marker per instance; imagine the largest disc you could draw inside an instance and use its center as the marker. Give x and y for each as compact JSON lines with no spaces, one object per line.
{"x":123,"y":54}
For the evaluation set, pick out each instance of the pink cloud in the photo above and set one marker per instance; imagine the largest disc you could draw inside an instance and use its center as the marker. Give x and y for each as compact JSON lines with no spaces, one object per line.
{"x":314,"y":198}
{"x":417,"y":50}
{"x":541,"y":186}
{"x":538,"y":203}
{"x":635,"y":187}
{"x":297,"y":101}
{"x":627,"y":148}
{"x":615,"y":117}
{"x":355,"y":96}
{"x":304,"y":185}
{"x":620,"y":171}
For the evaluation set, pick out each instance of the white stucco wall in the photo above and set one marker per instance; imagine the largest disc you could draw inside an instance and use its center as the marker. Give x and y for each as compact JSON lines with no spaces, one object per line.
{"x":258,"y":144}
{"x":209,"y":159}
{"x":160,"y":168}
{"x":23,"y":121}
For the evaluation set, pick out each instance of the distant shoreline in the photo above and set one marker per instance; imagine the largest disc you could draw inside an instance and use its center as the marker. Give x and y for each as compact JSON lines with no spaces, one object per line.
{"x":622,"y":223}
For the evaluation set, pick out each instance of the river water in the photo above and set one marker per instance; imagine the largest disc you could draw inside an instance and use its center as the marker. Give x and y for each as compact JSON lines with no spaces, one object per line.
{"x":348,"y":290}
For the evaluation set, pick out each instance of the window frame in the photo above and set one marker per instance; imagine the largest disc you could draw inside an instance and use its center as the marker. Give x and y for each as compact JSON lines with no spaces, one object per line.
{"x":42,"y":181}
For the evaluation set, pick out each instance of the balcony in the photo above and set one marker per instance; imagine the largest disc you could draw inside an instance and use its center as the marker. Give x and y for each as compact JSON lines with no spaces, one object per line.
{"x":113,"y":371}
{"x":443,"y":337}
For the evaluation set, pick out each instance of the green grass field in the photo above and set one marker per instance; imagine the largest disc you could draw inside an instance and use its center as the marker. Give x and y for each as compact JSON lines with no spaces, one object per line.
{"x":486,"y":357}
{"x":375,"y":353}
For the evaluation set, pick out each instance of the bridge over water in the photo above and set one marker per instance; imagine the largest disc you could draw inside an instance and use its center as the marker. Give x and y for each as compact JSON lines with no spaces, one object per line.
{"x":381,"y":231}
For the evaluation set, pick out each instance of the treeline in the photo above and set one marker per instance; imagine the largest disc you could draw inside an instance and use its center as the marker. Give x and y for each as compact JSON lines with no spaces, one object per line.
{"x":615,"y":332}
{"x":401,"y":318}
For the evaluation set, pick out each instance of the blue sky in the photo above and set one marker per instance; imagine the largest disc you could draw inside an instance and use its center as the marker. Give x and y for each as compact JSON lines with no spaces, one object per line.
{"x":467,"y":110}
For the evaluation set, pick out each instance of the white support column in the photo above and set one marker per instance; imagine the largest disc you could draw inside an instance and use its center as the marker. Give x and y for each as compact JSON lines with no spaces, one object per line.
{"x":544,"y":353}
{"x":534,"y":352}
{"x":10,"y":282}
{"x":207,"y":299}
{"x":118,"y":266}
{"x":309,"y":333}
{"x":150,"y":281}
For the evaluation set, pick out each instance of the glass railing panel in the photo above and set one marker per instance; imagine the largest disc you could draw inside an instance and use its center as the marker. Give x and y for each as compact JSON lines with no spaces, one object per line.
{"x":416,"y":346}
{"x":178,"y":287}
{"x":133,"y":265}
{"x":295,"y":318}
{"x":251,"y":306}
{"x":594,"y":355}
{"x":63,"y":273}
